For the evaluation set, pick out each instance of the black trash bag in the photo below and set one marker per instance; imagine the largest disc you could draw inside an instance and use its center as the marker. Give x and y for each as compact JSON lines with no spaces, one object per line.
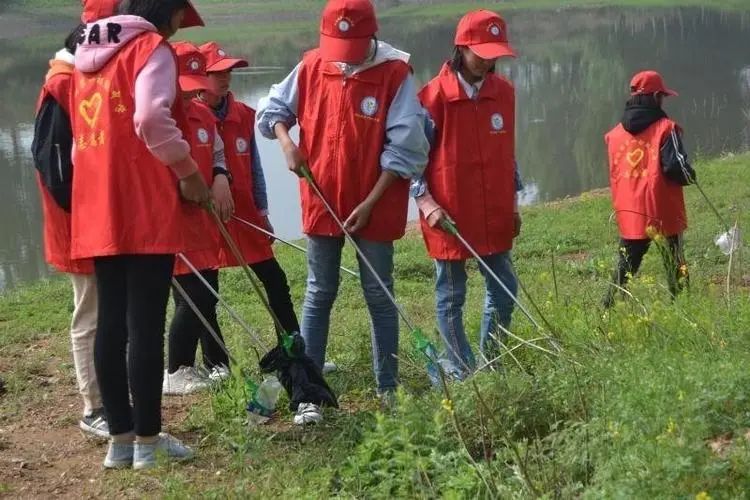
{"x":300,"y":376}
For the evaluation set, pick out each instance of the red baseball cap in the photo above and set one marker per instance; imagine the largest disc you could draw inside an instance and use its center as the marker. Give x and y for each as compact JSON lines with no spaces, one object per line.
{"x":346,"y":30}
{"x":191,"y":18}
{"x":192,"y":67}
{"x":93,"y":10}
{"x":217,"y":59}
{"x":649,"y":82}
{"x":484,"y":32}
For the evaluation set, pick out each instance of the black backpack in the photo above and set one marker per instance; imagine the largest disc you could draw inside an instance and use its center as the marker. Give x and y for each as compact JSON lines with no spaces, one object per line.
{"x":51,"y":149}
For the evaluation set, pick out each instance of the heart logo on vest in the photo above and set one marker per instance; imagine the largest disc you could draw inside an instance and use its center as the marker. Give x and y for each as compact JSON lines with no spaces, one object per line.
{"x":241,"y":145}
{"x":635,"y":156}
{"x":90,"y":109}
{"x":203,"y":135}
{"x":497,"y":122}
{"x":369,"y":106}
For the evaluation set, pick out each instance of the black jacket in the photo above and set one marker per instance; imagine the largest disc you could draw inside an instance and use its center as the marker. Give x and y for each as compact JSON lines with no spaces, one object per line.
{"x":674,"y":160}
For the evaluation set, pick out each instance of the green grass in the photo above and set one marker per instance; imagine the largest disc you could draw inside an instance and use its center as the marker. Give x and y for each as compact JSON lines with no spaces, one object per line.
{"x":625,"y":411}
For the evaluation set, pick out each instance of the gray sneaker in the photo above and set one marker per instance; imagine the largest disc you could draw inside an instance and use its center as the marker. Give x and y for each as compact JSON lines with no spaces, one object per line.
{"x":95,"y":424}
{"x":119,"y":456}
{"x":144,"y":456}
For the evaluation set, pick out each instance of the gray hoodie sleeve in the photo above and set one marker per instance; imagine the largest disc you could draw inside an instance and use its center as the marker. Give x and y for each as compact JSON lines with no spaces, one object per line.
{"x":406,"y":146}
{"x":280,"y":105}
{"x":259,"y":180}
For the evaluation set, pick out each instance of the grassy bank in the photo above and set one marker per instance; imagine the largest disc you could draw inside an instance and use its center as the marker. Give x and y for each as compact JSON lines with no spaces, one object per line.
{"x":648,"y":400}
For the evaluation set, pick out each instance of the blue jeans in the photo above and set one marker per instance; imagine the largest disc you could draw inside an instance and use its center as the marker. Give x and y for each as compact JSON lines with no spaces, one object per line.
{"x":323,"y":260}
{"x":450,"y":289}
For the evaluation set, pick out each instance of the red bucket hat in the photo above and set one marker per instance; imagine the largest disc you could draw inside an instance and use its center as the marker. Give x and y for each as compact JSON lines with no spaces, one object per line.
{"x":217,"y":59}
{"x":192,"y":67}
{"x":346,"y":30}
{"x":649,"y":82}
{"x":93,"y":10}
{"x":485,"y":33}
{"x":192,"y":18}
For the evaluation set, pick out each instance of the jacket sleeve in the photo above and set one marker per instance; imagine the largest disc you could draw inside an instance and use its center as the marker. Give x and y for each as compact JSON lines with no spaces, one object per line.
{"x":152,"y":117}
{"x":280,"y":105}
{"x":674,"y":160}
{"x":259,"y":180}
{"x":406,"y":147}
{"x":418,"y":186}
{"x":219,"y":161}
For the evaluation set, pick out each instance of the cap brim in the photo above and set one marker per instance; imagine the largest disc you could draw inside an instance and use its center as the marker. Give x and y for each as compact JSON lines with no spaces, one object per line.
{"x":346,"y":50}
{"x":191,"y":83}
{"x":493,"y":50}
{"x":227,"y":64}
{"x":670,"y":93}
{"x":191,"y":18}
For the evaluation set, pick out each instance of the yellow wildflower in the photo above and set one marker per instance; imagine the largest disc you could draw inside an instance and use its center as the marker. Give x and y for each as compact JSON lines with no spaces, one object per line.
{"x":448,"y":405}
{"x":671,"y":426}
{"x":703,"y":495}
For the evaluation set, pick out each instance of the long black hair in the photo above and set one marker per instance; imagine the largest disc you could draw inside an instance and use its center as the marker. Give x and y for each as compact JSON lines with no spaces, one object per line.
{"x":157,"y":12}
{"x":74,"y":38}
{"x":457,"y":60}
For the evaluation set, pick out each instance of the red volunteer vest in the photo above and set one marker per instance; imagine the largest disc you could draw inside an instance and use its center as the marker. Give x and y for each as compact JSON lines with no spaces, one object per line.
{"x":642,"y":196}
{"x":342,"y":133}
{"x":237,"y":131}
{"x":56,"y":220}
{"x":201,"y":136}
{"x":471,"y":171}
{"x":125,"y":201}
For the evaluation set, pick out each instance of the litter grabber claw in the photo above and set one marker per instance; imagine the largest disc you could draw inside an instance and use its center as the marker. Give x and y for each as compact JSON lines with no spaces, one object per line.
{"x":298,"y":374}
{"x":259,"y":408}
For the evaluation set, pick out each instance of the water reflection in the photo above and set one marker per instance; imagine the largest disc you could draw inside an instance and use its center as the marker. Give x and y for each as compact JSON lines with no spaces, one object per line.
{"x":570,"y":78}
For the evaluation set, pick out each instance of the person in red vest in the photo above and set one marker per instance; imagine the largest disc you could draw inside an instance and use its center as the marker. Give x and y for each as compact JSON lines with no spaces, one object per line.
{"x":132,"y":166}
{"x":236,"y":124}
{"x":648,"y":168}
{"x":186,"y":329}
{"x":471,"y":179}
{"x":56,"y":226}
{"x":362,"y":137}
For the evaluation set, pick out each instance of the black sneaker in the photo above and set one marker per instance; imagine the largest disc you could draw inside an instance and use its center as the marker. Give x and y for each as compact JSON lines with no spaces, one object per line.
{"x":95,"y":424}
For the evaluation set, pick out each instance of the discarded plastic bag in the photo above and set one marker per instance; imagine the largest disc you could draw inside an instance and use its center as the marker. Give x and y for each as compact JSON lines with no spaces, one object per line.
{"x":729,"y":242}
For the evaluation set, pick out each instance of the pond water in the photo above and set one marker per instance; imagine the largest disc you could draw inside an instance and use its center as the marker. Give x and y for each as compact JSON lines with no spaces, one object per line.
{"x":571,"y":82}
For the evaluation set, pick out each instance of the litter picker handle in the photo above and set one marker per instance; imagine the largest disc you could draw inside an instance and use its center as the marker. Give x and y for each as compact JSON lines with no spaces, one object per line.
{"x":203,"y":320}
{"x":285,"y":242}
{"x":241,"y":262}
{"x":309,"y":177}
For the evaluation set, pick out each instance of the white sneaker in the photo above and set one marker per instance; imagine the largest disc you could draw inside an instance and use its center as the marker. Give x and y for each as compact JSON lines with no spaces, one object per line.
{"x":219,"y":373}
{"x":144,"y":455}
{"x":329,"y":367}
{"x":186,"y":380}
{"x":308,"y":413}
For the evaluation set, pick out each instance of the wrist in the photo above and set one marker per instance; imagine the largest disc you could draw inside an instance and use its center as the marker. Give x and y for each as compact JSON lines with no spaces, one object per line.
{"x":218,"y":172}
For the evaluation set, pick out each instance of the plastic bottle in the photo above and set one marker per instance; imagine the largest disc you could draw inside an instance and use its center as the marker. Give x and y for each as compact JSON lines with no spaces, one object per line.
{"x":263,"y":401}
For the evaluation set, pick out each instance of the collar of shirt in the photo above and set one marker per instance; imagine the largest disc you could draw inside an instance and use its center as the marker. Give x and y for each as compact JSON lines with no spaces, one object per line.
{"x":472,"y":90}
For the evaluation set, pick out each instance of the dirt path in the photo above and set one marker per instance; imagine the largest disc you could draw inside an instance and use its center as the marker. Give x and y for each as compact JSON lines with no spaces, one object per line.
{"x":43,"y":454}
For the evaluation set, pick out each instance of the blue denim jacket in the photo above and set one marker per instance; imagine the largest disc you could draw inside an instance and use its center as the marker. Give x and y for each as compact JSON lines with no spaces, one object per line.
{"x":406,"y":148}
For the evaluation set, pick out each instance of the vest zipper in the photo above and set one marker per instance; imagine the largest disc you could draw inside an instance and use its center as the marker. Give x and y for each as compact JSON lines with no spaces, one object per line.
{"x":481,"y":172}
{"x":338,"y":140}
{"x":59,"y":163}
